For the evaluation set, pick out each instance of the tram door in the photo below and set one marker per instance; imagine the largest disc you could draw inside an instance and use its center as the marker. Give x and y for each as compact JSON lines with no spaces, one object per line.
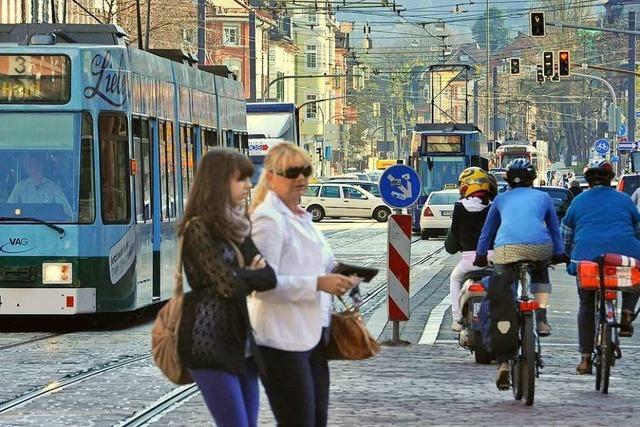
{"x":143,"y":187}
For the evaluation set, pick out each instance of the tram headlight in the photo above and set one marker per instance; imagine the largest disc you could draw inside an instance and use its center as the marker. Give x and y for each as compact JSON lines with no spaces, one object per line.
{"x":57,"y":273}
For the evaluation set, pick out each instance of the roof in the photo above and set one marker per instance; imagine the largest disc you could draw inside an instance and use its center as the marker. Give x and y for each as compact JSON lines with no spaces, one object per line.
{"x":271,"y":107}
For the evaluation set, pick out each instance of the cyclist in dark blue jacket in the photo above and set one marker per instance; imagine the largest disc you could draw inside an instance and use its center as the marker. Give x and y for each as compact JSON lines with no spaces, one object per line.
{"x":601,"y":220}
{"x":523,"y":225}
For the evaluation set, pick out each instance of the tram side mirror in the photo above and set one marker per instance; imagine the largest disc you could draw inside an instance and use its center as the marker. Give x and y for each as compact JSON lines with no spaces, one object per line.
{"x":429,"y":163}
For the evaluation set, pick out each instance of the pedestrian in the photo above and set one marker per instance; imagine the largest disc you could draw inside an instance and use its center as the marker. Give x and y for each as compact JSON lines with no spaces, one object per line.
{"x":600,"y":221}
{"x":574,"y":187}
{"x":291,"y":322}
{"x":565,"y":180}
{"x":215,"y":341}
{"x":469,"y":214}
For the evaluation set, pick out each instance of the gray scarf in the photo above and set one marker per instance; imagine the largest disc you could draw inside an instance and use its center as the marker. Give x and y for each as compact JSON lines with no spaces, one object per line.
{"x":240,"y":224}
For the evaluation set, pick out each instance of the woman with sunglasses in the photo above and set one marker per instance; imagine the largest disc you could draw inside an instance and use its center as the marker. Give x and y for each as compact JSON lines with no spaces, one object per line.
{"x":215,"y":342}
{"x":291,"y":321}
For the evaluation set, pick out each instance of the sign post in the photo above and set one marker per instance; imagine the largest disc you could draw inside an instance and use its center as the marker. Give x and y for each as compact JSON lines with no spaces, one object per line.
{"x":399,"y":188}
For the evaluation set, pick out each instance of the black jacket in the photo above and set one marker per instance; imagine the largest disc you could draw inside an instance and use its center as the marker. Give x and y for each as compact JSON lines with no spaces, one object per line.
{"x":215,"y":322}
{"x":465,"y":230}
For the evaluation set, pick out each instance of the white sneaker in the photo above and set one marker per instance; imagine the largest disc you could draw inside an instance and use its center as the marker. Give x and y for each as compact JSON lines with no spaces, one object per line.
{"x":456,"y":325}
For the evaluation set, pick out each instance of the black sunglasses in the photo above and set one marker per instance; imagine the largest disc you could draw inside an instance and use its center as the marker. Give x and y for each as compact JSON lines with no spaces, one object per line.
{"x":294,"y":172}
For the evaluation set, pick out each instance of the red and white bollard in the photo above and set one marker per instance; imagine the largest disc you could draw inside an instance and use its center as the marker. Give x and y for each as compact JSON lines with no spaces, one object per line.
{"x":398,"y":274}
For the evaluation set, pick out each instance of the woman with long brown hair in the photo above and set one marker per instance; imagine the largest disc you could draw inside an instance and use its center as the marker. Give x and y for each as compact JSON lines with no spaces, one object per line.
{"x":291,"y":321}
{"x":215,"y":339}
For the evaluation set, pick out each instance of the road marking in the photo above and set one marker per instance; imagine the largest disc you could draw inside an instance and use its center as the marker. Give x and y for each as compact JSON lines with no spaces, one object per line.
{"x":379,"y":319}
{"x":432,"y":328}
{"x":551,"y":344}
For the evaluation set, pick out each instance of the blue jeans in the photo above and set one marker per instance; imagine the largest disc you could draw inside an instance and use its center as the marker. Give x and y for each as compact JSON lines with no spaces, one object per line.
{"x":233,"y":400}
{"x":587,"y":316}
{"x":297,"y":385}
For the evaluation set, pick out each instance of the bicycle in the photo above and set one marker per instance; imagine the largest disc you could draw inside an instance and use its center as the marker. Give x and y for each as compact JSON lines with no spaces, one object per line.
{"x":525,"y":366}
{"x":606,"y":349}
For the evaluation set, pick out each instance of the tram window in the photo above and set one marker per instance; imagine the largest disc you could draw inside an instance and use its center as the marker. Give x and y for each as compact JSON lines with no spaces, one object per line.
{"x":86,"y":200}
{"x":143,"y":181}
{"x":167,"y":171}
{"x":114,"y":168}
{"x":188,"y":160}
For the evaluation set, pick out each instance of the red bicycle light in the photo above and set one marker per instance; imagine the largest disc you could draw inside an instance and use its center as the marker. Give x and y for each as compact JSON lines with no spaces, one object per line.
{"x":526,"y":306}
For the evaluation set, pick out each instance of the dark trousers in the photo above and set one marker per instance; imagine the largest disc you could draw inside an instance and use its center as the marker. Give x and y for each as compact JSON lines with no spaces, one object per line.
{"x":297,"y":385}
{"x":587,"y":316}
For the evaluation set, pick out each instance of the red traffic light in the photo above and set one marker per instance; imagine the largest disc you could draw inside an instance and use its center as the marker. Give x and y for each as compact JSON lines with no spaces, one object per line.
{"x":564,"y":61}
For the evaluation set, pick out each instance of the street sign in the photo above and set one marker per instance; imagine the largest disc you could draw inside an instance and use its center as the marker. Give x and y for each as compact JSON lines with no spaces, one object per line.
{"x":614,"y":159}
{"x":626,"y":145}
{"x":623,"y":130}
{"x":400,"y":186}
{"x":602,"y":146}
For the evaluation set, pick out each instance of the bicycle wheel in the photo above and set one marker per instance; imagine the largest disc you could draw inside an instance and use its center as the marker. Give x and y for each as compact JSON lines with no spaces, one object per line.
{"x":528,"y":369}
{"x":606,"y":358}
{"x":515,"y":366}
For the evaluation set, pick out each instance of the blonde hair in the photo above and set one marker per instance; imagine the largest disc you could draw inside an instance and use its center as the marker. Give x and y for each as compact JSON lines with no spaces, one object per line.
{"x":278,"y":158}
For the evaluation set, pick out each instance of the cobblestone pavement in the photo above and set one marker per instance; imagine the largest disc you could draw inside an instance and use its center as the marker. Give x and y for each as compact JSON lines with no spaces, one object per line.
{"x":414,"y":385}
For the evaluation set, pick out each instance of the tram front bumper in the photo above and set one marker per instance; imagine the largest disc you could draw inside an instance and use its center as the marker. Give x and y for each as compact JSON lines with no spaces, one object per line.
{"x":33,"y":301}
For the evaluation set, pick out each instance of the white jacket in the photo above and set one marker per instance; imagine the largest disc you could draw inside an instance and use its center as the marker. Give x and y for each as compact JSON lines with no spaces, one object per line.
{"x":291,"y":316}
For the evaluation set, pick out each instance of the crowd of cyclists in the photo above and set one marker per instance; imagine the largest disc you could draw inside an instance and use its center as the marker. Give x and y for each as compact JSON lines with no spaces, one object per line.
{"x":521,"y":225}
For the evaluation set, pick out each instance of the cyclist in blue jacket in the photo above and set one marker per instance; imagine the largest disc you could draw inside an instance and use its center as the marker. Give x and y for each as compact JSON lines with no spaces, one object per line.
{"x":601,"y":220}
{"x":523,"y":225}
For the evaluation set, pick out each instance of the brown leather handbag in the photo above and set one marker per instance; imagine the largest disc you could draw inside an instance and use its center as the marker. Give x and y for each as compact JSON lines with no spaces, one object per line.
{"x":164,"y":335}
{"x":350,"y":339}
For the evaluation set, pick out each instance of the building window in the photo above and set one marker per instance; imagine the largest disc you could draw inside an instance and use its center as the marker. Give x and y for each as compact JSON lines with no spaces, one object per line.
{"x":312,"y":18}
{"x":312,"y":109}
{"x":231,"y":35}
{"x":311,"y":54}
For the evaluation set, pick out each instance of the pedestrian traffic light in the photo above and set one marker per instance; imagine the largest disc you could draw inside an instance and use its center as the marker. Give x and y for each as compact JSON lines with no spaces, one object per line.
{"x":547,"y":63}
{"x":515,"y":66}
{"x":539,"y":75}
{"x":537,"y":24}
{"x":319,"y":152}
{"x":564,"y":59}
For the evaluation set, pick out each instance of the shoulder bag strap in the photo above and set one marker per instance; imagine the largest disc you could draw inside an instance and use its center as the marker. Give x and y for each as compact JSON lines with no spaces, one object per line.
{"x":241,"y":260}
{"x":178,"y":278}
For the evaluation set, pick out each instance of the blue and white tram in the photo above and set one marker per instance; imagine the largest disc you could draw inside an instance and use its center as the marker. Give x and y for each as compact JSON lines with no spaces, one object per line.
{"x":99,"y":142}
{"x":440,"y":152}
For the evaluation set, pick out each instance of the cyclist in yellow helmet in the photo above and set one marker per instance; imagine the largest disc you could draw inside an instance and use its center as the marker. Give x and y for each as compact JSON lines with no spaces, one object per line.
{"x":476,"y":191}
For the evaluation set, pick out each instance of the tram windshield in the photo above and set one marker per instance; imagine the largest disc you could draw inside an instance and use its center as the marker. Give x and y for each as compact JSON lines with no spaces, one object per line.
{"x":46,"y":167}
{"x":508,"y":158}
{"x":435,"y":172}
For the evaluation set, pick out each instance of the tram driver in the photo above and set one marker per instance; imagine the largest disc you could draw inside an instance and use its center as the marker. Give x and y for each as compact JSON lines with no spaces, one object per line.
{"x":37,"y":188}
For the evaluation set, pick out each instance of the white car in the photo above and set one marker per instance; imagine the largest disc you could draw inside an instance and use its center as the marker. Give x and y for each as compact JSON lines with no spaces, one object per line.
{"x":435,"y":218}
{"x":343,"y":200}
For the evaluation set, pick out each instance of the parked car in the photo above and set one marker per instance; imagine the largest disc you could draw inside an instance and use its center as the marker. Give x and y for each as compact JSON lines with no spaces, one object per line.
{"x":561,"y":197}
{"x":435,"y":218}
{"x":337,"y":200}
{"x":629,"y":183}
{"x":360,"y":176}
{"x":370,"y":186}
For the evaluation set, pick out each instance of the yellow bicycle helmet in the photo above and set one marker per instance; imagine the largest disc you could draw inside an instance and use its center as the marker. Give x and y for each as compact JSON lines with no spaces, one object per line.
{"x":472,"y":180}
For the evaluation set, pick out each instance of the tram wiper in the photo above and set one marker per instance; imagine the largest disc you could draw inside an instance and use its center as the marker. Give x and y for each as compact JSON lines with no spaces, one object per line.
{"x":39,"y":221}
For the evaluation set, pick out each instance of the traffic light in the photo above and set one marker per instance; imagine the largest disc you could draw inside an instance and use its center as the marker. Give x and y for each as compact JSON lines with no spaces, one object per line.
{"x":515,"y":66}
{"x":547,"y":63}
{"x":564,"y":59}
{"x":539,"y":75}
{"x":376,"y":109}
{"x":537,"y":24}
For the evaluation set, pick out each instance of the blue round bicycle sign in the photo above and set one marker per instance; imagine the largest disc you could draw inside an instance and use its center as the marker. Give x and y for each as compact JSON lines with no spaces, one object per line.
{"x":602,"y":146}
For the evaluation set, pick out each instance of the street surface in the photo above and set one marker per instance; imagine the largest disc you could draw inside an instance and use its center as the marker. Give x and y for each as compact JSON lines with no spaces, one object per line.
{"x":433,"y":381}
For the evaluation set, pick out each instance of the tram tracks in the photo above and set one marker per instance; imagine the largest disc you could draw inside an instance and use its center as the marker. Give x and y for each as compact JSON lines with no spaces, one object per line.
{"x":30,"y":341}
{"x":56,"y":386}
